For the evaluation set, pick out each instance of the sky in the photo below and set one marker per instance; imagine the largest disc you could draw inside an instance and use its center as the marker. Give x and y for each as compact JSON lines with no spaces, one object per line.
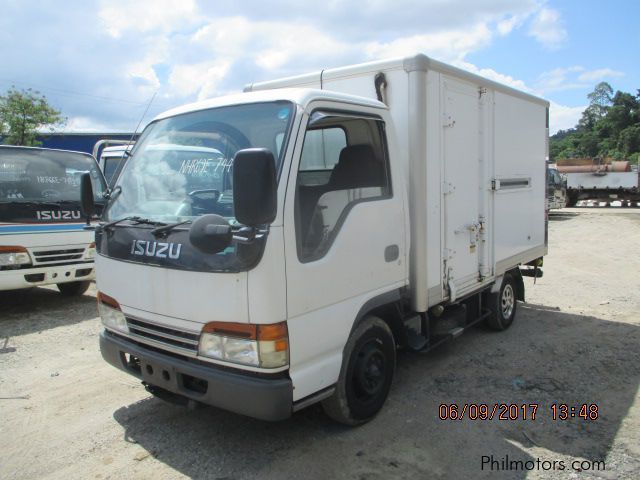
{"x":102,"y":62}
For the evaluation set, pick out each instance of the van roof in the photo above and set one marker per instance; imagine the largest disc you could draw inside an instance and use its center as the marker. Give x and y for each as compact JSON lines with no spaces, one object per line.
{"x":417,"y":62}
{"x":299,"y":96}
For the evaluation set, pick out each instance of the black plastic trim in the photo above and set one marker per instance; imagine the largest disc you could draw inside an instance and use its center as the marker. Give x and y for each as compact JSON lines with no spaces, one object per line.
{"x":384,"y":299}
{"x":263,"y":398}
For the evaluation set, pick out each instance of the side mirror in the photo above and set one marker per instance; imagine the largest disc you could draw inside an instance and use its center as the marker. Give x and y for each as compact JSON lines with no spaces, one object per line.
{"x":210,"y":233}
{"x":87,"y":203}
{"x":254,"y":187}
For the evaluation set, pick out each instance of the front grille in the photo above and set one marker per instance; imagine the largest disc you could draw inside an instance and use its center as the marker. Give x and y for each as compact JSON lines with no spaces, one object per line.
{"x":176,"y":340}
{"x":58,"y":256}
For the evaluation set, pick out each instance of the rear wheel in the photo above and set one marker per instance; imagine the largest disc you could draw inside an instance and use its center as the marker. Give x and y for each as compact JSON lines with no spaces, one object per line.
{"x":502,"y":304}
{"x":72,"y":289}
{"x":368,"y":365}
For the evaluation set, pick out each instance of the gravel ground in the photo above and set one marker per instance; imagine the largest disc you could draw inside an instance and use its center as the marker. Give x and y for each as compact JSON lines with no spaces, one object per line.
{"x":65,"y":413}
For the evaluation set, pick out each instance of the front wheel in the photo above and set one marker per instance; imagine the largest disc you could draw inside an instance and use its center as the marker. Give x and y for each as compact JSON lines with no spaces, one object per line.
{"x":368,"y":364}
{"x":72,"y":289}
{"x":503,"y":304}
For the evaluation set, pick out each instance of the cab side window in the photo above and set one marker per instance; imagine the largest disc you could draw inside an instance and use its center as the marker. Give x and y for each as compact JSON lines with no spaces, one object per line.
{"x":343,"y":163}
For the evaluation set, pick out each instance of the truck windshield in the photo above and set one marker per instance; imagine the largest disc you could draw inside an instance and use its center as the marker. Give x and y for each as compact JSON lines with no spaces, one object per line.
{"x":42,"y":176}
{"x":110,"y":162}
{"x":553,"y":178}
{"x":182,"y":166}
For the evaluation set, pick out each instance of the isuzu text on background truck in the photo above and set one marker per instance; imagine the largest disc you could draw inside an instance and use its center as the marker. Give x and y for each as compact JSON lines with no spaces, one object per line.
{"x":42,"y":241}
{"x":269,"y":250}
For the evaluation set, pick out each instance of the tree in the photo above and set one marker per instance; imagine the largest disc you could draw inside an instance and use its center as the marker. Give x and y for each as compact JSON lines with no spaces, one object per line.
{"x":609,"y":127}
{"x":599,"y":101}
{"x":24,"y":114}
{"x":601,"y":97}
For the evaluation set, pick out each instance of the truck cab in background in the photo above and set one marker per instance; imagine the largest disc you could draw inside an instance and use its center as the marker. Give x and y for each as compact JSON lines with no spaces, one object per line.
{"x":42,"y":236}
{"x":111,"y":155}
{"x":556,"y":188}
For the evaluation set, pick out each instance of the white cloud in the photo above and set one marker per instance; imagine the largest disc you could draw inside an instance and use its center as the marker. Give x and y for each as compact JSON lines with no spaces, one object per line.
{"x":595,"y":76}
{"x":573,"y":77}
{"x":547,"y":28}
{"x":512,"y":22}
{"x":562,"y":117}
{"x":119,"y":16}
{"x":112,"y":55}
{"x":200,"y":79}
{"x":452,"y":45}
{"x":141,"y":72}
{"x":84,"y":124}
{"x":559,"y":79}
{"x":270,"y":45}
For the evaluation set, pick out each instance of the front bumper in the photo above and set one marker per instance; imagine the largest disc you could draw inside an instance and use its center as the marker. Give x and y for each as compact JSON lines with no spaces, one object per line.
{"x":258,"y":397}
{"x":46,"y":275}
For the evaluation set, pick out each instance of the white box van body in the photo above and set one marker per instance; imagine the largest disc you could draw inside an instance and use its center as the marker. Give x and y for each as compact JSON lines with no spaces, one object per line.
{"x":398,"y":222}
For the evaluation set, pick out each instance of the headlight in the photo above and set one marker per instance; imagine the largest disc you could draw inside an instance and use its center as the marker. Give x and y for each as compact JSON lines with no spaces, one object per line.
{"x":111,"y":314}
{"x":265,"y":346}
{"x":11,"y":256}
{"x":90,"y":253}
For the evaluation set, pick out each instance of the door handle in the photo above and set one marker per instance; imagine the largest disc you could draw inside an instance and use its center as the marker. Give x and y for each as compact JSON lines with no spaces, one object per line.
{"x":391,"y":253}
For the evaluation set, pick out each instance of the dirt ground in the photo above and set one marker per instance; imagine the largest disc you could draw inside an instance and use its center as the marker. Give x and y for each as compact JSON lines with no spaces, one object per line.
{"x":66,"y":414}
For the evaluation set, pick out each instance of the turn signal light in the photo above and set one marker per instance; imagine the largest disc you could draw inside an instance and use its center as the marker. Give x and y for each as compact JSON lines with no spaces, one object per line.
{"x":12,"y":249}
{"x":111,"y":313}
{"x":108,"y":301}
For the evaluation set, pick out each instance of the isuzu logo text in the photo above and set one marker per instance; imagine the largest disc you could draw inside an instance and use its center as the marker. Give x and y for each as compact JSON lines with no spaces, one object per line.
{"x":58,"y":215}
{"x":146,"y":248}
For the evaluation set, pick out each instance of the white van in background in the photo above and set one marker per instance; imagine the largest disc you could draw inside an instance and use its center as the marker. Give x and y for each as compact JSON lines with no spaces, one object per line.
{"x":111,"y":155}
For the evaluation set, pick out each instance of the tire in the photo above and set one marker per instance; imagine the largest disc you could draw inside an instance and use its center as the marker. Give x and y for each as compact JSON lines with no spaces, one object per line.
{"x":72,"y":289}
{"x":368,"y":365}
{"x":503,"y":304}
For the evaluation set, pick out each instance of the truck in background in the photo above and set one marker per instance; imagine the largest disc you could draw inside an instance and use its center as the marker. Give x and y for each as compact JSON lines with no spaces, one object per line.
{"x":42,"y":240}
{"x":111,"y":155}
{"x":594,"y":179}
{"x":556,"y":188}
{"x":390,"y":204}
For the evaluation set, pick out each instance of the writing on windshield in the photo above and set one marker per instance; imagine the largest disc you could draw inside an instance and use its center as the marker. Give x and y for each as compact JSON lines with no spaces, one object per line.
{"x":182,"y":166}
{"x":36,"y":174}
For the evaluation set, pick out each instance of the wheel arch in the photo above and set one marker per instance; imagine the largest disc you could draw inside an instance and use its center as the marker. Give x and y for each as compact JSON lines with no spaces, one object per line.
{"x":385,"y":306}
{"x":517,"y":276}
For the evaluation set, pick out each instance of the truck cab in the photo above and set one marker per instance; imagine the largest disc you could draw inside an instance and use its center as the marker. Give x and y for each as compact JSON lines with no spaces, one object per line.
{"x":556,"y":188}
{"x":42,"y":235}
{"x":344,"y":200}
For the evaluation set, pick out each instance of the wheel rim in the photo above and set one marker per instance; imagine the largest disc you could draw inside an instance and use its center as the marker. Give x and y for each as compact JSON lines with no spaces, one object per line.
{"x":507,"y":301}
{"x":370,"y":371}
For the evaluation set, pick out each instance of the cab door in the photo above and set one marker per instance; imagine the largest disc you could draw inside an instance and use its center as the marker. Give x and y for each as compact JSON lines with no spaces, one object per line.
{"x":344,"y":237}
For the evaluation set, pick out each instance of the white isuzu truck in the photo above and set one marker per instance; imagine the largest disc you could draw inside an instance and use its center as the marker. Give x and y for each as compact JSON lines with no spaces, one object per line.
{"x":42,"y":239}
{"x":269,"y":250}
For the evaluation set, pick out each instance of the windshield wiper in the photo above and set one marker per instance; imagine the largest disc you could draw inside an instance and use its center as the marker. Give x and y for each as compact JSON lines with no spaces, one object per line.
{"x":167,"y":228}
{"x":135,"y":219}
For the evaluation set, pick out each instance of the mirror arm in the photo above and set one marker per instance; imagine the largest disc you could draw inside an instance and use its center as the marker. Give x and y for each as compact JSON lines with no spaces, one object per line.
{"x":251,"y":234}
